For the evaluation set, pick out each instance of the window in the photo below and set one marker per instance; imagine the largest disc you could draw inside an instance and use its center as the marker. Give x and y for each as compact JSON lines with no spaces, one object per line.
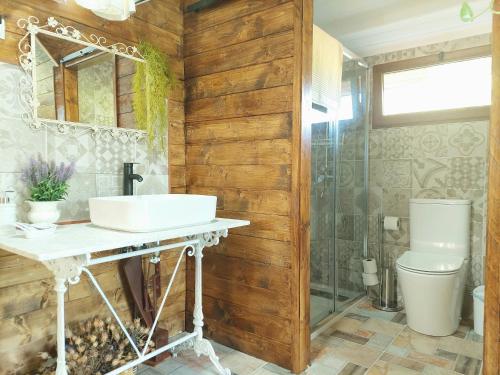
{"x":440,"y":88}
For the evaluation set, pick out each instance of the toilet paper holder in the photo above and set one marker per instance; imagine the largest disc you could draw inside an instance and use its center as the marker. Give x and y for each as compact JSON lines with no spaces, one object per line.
{"x":388,"y":286}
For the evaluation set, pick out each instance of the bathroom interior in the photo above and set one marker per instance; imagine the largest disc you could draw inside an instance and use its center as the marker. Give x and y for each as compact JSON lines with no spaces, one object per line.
{"x":249,"y":187}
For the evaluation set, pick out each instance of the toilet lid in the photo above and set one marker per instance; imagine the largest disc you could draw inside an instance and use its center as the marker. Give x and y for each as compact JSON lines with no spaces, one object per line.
{"x":430,"y":262}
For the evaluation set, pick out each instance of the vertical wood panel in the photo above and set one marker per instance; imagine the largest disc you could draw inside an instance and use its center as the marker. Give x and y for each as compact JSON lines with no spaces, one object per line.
{"x":244,"y":135}
{"x":492,"y":298}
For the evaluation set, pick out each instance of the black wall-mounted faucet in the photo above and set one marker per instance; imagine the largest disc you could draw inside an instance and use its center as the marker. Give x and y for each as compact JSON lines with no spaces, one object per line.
{"x":128,"y":178}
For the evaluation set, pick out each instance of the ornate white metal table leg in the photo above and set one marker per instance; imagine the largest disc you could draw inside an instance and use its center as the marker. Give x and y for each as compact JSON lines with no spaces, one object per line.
{"x":64,"y":270}
{"x":201,"y":345}
{"x":60,"y":289}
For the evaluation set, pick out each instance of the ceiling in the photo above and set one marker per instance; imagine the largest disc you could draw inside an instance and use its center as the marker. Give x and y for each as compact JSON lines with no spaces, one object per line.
{"x":371,"y":27}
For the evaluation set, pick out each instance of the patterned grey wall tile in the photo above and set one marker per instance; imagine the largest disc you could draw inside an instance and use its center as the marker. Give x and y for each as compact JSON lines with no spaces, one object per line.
{"x":347,"y":145}
{"x":376,"y":144}
{"x":346,"y":174}
{"x":345,"y":201}
{"x":373,"y":236}
{"x":374,"y":200}
{"x":359,"y":173}
{"x":82,"y":186}
{"x":18,"y":143}
{"x":376,"y":173}
{"x":397,"y":143}
{"x":12,"y":181}
{"x":359,"y":227}
{"x":397,"y":173}
{"x":78,"y":148}
{"x":475,"y":272}
{"x":152,"y":184}
{"x":466,"y":173}
{"x":478,"y":242}
{"x":478,"y":198}
{"x":429,"y":173}
{"x":429,"y":141}
{"x":360,"y":201}
{"x":396,"y":202}
{"x":393,"y":252}
{"x":111,"y":153}
{"x":10,"y":102}
{"x":108,"y":185}
{"x":468,"y":139}
{"x":344,"y":227}
{"x":399,"y":237}
{"x":429,"y":193}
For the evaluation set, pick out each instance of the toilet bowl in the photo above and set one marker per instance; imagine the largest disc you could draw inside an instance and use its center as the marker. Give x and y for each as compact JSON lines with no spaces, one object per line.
{"x":433,"y":288}
{"x":432,"y":274}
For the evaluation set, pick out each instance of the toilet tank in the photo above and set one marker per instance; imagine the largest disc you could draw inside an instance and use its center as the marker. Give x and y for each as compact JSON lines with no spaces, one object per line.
{"x":441,"y":226}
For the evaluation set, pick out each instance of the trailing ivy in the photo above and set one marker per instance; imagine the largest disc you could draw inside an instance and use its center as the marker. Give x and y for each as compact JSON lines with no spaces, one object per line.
{"x":153,"y":82}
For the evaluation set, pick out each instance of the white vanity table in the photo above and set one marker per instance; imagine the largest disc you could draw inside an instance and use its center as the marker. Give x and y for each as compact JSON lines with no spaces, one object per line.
{"x":73,"y":248}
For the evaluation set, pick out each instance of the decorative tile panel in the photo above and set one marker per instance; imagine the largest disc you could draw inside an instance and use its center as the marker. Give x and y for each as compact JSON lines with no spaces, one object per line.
{"x":397,"y":173}
{"x":429,"y":141}
{"x":469,"y":139}
{"x":466,"y":173}
{"x":429,"y":173}
{"x":396,"y":143}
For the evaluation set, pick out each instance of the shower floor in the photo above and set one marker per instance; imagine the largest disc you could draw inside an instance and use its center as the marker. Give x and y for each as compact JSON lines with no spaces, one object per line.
{"x":321,"y":306}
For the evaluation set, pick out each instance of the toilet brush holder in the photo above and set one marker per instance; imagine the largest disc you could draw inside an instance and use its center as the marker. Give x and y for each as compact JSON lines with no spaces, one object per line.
{"x":388,"y":295}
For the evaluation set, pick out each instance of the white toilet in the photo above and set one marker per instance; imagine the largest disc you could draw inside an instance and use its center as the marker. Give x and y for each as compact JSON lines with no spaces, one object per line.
{"x":432,"y":274}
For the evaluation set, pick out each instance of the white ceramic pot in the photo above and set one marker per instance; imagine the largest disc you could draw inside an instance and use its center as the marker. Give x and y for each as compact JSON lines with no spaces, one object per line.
{"x":43,"y":212}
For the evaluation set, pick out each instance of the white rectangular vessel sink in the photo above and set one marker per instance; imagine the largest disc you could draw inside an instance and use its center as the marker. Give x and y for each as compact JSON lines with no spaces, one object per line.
{"x":150,"y":213}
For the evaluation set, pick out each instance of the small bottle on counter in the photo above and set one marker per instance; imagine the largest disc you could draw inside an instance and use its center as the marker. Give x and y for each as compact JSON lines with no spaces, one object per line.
{"x":7,"y":213}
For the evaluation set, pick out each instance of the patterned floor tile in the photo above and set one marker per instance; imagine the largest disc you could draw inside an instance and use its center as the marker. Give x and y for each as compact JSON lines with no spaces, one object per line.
{"x":468,"y":365}
{"x":365,"y":341}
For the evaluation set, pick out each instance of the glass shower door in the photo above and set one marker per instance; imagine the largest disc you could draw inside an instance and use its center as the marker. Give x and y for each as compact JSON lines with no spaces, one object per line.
{"x":351,"y":204}
{"x":339,"y":197}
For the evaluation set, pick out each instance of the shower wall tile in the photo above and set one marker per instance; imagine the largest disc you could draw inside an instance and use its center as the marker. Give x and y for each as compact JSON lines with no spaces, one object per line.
{"x":376,"y":144}
{"x":374,"y":200}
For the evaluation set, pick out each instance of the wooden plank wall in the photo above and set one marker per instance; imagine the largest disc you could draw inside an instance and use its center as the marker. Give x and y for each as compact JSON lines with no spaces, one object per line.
{"x":492,"y":300}
{"x":243,"y":95}
{"x":27,"y":303}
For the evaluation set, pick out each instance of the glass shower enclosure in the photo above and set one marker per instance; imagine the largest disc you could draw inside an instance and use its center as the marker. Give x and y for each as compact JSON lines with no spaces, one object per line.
{"x":339,"y":186}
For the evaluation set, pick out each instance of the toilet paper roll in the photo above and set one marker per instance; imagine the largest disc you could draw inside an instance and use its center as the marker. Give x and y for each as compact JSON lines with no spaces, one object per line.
{"x":391,"y":223}
{"x":369,"y":265}
{"x":370,"y":279}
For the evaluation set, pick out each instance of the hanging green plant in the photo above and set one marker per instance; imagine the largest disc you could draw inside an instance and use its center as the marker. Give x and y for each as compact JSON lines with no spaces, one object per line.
{"x":153,"y":82}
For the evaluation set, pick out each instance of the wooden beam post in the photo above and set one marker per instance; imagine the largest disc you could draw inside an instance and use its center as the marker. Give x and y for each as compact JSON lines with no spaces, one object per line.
{"x":492,"y":311}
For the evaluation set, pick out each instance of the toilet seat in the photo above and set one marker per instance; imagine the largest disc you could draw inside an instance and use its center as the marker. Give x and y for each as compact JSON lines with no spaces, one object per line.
{"x":430,"y":263}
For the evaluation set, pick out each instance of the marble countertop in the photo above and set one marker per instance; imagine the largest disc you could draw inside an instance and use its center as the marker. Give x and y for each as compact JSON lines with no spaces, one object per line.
{"x":80,"y":239}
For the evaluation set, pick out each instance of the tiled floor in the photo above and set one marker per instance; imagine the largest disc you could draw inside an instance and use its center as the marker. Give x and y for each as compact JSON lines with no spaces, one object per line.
{"x":365,"y":341}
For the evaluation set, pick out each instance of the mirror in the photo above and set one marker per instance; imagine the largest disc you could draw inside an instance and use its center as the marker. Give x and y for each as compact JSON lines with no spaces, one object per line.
{"x":77,"y":80}
{"x":74,"y":83}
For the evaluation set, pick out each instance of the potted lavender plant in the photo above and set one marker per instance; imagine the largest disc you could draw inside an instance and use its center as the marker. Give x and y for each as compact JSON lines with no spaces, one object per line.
{"x":48,"y":185}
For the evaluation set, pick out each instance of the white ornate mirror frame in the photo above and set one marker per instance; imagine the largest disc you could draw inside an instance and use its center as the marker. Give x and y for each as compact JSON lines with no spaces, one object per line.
{"x":28,"y":93}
